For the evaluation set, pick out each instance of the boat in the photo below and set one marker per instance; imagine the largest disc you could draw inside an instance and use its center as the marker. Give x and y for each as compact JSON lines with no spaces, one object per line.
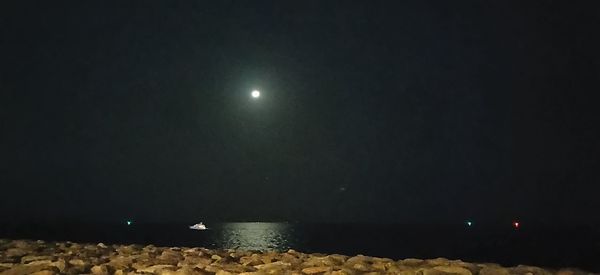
{"x":198,"y":226}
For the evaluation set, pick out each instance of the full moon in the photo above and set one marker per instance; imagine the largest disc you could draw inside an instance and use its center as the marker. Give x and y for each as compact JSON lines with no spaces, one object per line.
{"x":255,"y":94}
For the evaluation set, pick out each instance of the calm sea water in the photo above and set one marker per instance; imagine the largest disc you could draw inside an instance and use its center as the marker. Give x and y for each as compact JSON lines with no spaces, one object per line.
{"x":546,"y":246}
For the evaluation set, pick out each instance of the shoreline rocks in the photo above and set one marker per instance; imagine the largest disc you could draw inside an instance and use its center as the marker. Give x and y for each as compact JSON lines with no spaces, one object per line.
{"x":19,"y":257}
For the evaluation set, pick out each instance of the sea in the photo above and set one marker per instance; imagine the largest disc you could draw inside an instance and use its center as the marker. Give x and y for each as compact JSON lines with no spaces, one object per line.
{"x":542,"y":245}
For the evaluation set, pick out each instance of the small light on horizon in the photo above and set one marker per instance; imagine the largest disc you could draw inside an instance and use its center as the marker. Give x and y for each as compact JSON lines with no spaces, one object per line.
{"x":255,"y":94}
{"x":516,"y":225}
{"x":129,"y":222}
{"x":469,"y":223}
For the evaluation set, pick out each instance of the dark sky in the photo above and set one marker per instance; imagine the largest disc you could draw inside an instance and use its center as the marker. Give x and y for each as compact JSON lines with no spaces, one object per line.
{"x":428,"y":111}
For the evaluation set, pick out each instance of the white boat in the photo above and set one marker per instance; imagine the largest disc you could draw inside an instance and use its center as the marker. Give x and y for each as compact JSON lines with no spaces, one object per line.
{"x":198,"y":226}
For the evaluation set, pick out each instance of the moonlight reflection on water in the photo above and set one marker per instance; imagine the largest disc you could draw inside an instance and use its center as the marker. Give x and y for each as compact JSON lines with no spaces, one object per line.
{"x":256,"y":236}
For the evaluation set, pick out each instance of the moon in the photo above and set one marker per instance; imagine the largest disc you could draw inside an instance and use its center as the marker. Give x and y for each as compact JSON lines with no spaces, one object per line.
{"x":255,"y":94}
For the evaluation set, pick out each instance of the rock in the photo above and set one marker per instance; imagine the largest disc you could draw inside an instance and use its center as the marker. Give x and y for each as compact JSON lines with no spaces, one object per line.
{"x":76,"y":262}
{"x":121,"y":262}
{"x":15,"y":252}
{"x":454,"y":270}
{"x":101,"y":270}
{"x":127,"y":249}
{"x":41,"y":258}
{"x":565,"y":271}
{"x":524,"y":270}
{"x":252,"y":260}
{"x":360,"y":258}
{"x":157,"y":268}
{"x":438,"y":261}
{"x":493,"y":271}
{"x":169,"y":257}
{"x":183,"y":271}
{"x":361,"y":266}
{"x":22,"y":244}
{"x":383,"y":265}
{"x":40,"y":262}
{"x":322,"y":261}
{"x":24,"y":269}
{"x":274,"y":267}
{"x":30,"y":258}
{"x":195,"y":260}
{"x":60,"y":264}
{"x":342,"y":272}
{"x":6,"y":265}
{"x":431,"y":271}
{"x":316,"y":269}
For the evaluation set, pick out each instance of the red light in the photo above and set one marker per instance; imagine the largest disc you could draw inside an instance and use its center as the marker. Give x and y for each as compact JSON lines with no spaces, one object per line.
{"x":516,"y":224}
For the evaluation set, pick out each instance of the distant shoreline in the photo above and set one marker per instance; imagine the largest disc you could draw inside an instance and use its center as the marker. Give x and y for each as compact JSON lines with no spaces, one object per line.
{"x":48,"y":258}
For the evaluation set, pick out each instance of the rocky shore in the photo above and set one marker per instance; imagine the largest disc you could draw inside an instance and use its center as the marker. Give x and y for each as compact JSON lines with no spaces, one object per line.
{"x":47,"y":258}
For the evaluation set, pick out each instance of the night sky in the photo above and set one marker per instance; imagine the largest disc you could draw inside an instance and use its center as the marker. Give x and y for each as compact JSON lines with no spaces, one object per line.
{"x":378,"y":111}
